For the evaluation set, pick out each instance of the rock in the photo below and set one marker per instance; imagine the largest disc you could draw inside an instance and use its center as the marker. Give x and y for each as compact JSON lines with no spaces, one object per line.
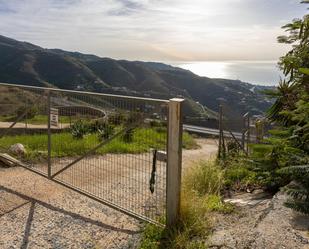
{"x":17,"y":149}
{"x":260,"y":222}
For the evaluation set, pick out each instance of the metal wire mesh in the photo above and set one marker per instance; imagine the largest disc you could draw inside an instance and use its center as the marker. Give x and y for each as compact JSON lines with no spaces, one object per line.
{"x":23,"y":112}
{"x":235,"y":130}
{"x":105,"y":146}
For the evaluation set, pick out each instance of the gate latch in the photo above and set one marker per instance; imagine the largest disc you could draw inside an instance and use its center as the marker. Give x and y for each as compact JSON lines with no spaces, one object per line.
{"x":160,"y":156}
{"x":152,"y":181}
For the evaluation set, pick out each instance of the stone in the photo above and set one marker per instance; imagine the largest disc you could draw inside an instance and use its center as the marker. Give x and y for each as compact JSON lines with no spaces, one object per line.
{"x":17,"y":149}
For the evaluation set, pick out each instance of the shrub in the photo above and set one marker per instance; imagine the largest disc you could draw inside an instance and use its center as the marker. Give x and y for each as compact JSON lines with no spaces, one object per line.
{"x":116,"y":118}
{"x":28,"y":113}
{"x":79,"y":129}
{"x":96,"y":125}
{"x":106,"y":131}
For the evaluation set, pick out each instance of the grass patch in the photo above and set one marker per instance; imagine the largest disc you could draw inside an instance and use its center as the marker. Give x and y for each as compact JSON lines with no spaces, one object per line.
{"x":200,"y":196}
{"x":64,"y":145}
{"x":189,"y":142}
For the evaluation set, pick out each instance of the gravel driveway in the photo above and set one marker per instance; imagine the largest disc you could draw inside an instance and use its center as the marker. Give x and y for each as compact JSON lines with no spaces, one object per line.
{"x":37,"y":213}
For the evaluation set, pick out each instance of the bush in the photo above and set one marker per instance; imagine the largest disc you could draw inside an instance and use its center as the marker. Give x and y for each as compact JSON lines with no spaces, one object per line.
{"x":116,"y":118}
{"x":79,"y":129}
{"x":96,"y":125}
{"x":240,"y":177}
{"x":106,"y":131}
{"x":28,"y":113}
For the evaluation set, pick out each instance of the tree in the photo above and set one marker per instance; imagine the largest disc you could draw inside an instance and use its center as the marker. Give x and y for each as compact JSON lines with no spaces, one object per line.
{"x":291,"y":112}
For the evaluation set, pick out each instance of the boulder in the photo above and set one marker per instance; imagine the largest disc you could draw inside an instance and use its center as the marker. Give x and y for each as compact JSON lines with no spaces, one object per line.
{"x":17,"y":149}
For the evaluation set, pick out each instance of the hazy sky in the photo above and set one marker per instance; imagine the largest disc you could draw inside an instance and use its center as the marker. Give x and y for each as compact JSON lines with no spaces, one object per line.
{"x":161,"y":30}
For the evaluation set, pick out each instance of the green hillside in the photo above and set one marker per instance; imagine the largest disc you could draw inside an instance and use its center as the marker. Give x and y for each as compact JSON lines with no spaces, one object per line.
{"x":27,"y":64}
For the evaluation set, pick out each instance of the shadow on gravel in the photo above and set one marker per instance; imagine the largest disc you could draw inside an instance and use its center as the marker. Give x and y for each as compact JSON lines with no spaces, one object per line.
{"x":35,"y":202}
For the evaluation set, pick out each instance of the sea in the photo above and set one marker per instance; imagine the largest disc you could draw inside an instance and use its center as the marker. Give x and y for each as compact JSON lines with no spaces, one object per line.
{"x":265,"y":73}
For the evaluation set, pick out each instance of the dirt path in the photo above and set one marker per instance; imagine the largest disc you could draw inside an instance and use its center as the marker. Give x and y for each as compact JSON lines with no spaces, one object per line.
{"x":208,"y":149}
{"x":30,"y":126}
{"x":37,"y":213}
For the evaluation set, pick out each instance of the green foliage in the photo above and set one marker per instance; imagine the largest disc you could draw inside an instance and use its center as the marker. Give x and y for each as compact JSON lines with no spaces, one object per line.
{"x":188,"y":141}
{"x":106,"y":131}
{"x":26,"y":112}
{"x":155,"y":123}
{"x":200,"y":197}
{"x":79,"y":129}
{"x":215,"y":203}
{"x":285,"y":157}
{"x":128,"y":136}
{"x":298,"y":190}
{"x":116,"y":118}
{"x":239,"y":173}
{"x":65,"y":145}
{"x":204,"y":178}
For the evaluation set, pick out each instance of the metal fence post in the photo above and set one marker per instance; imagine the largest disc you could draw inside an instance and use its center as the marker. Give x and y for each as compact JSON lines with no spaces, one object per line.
{"x":244,"y":132}
{"x":174,"y":160}
{"x":248,"y":133}
{"x":221,"y":135}
{"x":49,"y":135}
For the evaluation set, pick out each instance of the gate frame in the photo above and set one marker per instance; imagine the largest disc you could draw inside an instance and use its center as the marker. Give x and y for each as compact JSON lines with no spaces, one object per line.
{"x":173,"y":148}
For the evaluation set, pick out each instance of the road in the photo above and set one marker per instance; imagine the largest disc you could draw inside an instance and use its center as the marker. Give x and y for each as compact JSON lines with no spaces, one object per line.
{"x":209,"y":131}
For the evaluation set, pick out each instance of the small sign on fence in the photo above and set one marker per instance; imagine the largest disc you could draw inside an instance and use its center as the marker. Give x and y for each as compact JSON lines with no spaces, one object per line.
{"x":54,"y":117}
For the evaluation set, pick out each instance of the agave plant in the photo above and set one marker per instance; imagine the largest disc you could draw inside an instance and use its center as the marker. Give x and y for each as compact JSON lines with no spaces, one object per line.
{"x":79,"y":129}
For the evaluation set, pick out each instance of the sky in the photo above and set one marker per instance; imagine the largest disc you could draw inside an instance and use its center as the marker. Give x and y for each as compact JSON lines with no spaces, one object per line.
{"x":154,"y":30}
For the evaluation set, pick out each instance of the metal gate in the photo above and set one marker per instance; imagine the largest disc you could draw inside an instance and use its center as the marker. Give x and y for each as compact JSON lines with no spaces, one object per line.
{"x":110,"y":148}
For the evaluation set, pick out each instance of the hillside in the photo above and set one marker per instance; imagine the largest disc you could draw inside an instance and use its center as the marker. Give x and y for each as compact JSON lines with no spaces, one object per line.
{"x":28,"y":64}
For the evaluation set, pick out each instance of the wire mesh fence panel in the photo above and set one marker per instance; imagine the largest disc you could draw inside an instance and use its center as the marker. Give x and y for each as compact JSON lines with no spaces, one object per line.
{"x":111,"y":148}
{"x":23,"y":126}
{"x":234,"y":129}
{"x":232,"y":121}
{"x":107,"y":147}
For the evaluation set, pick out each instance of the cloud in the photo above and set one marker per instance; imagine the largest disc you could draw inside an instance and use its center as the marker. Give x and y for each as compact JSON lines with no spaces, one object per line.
{"x":152,"y":29}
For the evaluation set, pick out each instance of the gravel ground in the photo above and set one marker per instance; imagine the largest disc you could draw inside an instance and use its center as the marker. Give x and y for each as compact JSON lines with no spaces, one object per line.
{"x":37,"y":213}
{"x":260,"y":222}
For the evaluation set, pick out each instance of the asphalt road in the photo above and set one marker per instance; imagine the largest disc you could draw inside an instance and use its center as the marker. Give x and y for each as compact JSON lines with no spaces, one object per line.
{"x":209,"y":131}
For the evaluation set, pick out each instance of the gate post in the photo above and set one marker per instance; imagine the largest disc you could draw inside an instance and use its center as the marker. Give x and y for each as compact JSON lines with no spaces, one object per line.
{"x":220,"y":149}
{"x":174,"y":160}
{"x":48,"y":135}
{"x":244,"y":131}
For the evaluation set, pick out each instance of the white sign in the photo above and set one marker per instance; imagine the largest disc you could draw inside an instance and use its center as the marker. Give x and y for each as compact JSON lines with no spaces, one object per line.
{"x":54,"y":117}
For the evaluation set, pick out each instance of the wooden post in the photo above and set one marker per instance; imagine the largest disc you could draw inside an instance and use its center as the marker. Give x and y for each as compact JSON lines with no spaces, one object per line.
{"x":174,"y":160}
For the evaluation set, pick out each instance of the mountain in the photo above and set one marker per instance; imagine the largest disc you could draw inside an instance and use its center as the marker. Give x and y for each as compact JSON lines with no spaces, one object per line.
{"x":28,"y":64}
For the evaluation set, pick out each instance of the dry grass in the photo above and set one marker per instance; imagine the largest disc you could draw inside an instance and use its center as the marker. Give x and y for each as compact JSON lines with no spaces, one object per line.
{"x":200,"y":196}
